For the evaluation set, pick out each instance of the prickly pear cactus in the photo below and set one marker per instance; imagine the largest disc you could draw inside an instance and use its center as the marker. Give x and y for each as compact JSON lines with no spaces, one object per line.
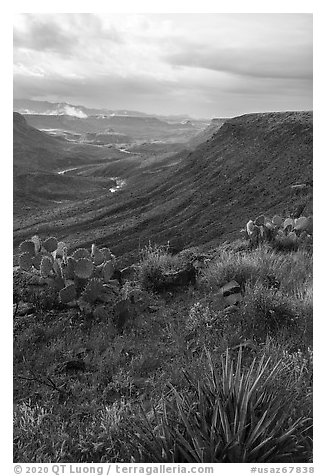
{"x":93,"y":291}
{"x":288,"y":224}
{"x":37,"y":243}
{"x":26,"y":261}
{"x":68,"y":268}
{"x":260,"y":220}
{"x":107,"y":271}
{"x":81,"y":253}
{"x":61,"y":251}
{"x":37,"y":261}
{"x":50,"y":244}
{"x":97,"y":256}
{"x":107,"y":254}
{"x":27,"y":247}
{"x":83,"y":268}
{"x":279,"y":233}
{"x":46,"y":267}
{"x":250,"y":227}
{"x":277,"y":220}
{"x":83,"y":279}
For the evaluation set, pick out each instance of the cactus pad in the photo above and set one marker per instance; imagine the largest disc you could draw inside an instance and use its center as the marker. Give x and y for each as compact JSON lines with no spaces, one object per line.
{"x":288,"y":222}
{"x":97,"y":256}
{"x":81,"y":253}
{"x":56,"y":283}
{"x":301,"y":224}
{"x":68,"y":294}
{"x":57,"y":268}
{"x":260,"y":220}
{"x":93,"y":291}
{"x":27,"y":247}
{"x":107,"y":254}
{"x":277,"y":220}
{"x":110,"y":293}
{"x":100,"y":313}
{"x":46,"y":267}
{"x":98,"y":271}
{"x":37,"y":261}
{"x":50,"y":244}
{"x":250,"y":227}
{"x":37,"y":243}
{"x":107,"y":271}
{"x":83,"y":268}
{"x":292,"y":236}
{"x":61,"y":250}
{"x":25,"y":261}
{"x":68,"y":269}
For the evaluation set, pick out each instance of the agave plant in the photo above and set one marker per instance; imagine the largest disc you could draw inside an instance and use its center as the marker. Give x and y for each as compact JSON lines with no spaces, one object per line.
{"x":232,"y":418}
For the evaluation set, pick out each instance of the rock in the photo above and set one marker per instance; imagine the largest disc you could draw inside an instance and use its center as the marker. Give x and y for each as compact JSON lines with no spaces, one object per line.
{"x":232,"y":287}
{"x":25,"y":309}
{"x":182,"y":277}
{"x":233,"y":299}
{"x":72,"y":366}
{"x":299,"y":186}
{"x":231,"y":293}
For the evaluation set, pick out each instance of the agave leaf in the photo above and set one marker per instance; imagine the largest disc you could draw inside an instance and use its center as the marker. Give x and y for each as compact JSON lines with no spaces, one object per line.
{"x":257,"y":430}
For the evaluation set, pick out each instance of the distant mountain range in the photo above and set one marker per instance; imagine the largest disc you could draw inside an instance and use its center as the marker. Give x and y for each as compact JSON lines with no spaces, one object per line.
{"x":29,"y":106}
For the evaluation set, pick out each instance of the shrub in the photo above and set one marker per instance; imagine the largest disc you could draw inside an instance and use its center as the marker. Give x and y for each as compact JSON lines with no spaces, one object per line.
{"x":155,"y":261}
{"x":92,"y":434}
{"x":241,"y":267}
{"x":293,"y":271}
{"x":269,"y":312}
{"x":232,"y":418}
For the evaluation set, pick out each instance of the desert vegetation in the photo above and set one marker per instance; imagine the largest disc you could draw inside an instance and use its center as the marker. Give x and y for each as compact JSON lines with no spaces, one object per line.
{"x":187,"y":357}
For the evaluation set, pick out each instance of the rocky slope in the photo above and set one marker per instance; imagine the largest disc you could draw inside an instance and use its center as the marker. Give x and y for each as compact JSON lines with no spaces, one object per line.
{"x":249,"y":166}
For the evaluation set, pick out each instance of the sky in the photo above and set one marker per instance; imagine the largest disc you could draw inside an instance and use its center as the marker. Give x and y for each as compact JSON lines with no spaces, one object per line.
{"x":201,"y":64}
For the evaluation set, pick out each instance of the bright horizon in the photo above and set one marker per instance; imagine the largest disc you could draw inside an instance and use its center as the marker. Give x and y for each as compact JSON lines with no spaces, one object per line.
{"x":203,"y":65}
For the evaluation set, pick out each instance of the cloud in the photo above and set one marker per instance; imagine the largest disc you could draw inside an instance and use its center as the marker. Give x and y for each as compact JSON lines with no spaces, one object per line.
{"x":44,"y":34}
{"x":187,"y":63}
{"x":256,"y":45}
{"x":260,"y":62}
{"x":64,"y":34}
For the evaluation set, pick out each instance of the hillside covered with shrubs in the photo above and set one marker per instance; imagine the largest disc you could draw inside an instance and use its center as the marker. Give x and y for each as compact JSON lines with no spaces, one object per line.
{"x":181,"y":357}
